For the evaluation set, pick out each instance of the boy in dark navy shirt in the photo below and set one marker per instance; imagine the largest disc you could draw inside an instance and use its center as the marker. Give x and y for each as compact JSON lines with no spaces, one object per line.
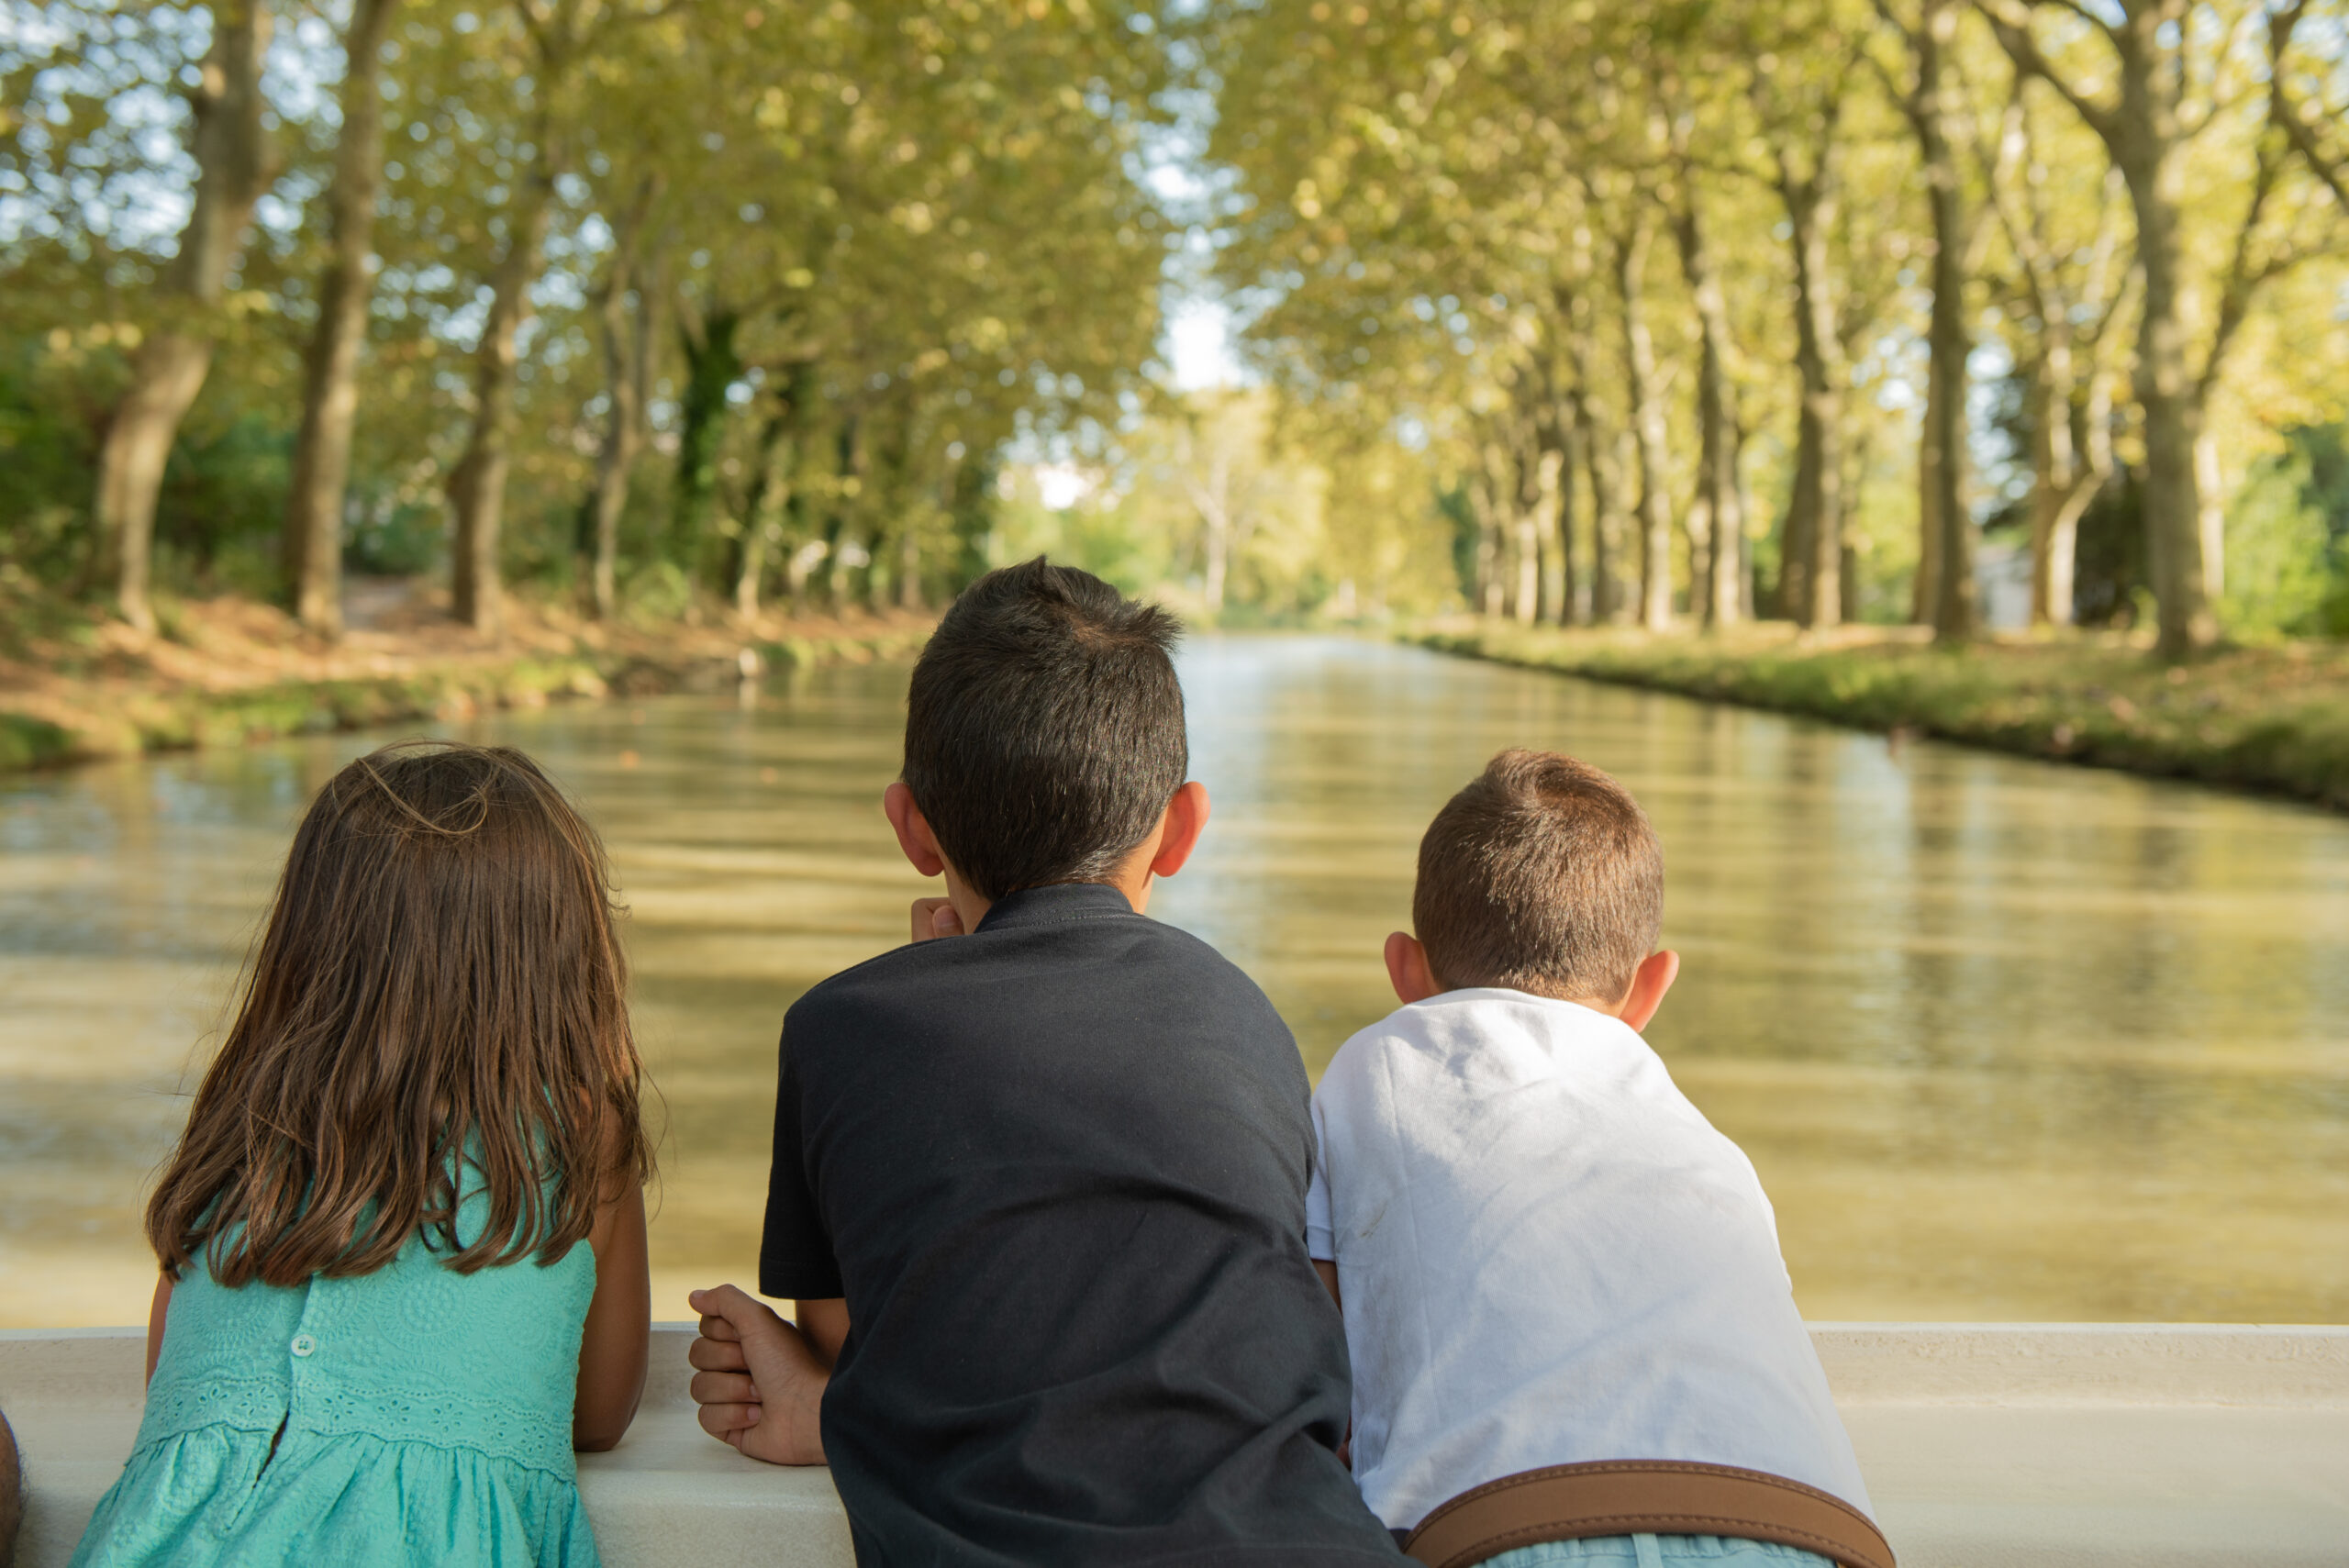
{"x":1038,"y":1191}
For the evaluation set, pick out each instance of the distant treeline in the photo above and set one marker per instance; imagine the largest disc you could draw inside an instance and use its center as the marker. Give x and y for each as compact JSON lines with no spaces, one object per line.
{"x":1719,"y":307}
{"x":649,"y":300}
{"x":1690,"y":311}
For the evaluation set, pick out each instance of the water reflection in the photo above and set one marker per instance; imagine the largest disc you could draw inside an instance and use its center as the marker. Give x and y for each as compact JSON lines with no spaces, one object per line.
{"x":2005,"y":1039}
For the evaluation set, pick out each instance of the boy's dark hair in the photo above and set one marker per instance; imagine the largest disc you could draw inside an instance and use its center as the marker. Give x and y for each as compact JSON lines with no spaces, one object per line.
{"x":1543,"y":875}
{"x":1044,"y":728}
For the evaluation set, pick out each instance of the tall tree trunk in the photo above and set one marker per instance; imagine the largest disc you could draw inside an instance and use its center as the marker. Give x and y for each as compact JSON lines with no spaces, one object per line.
{"x":772,"y":496}
{"x":713,"y":365}
{"x":628,"y":362}
{"x":1925,"y":590}
{"x":1812,"y":571}
{"x":1585,"y":444}
{"x":909,"y":567}
{"x":2173,"y":416}
{"x":2066,"y":470}
{"x":2066,"y":476}
{"x":1218,"y":551}
{"x":1847,"y":573}
{"x":763,"y":521}
{"x":1606,"y":452}
{"x":1943,"y":448}
{"x":477,"y":484}
{"x":1746,"y":591}
{"x":1716,"y":522}
{"x":1210,"y":495}
{"x":1649,"y":421}
{"x":1563,"y":458}
{"x":234,"y":163}
{"x":330,"y":369}
{"x":847,"y":544}
{"x":1525,"y":518}
{"x":1718,"y":589}
{"x":894,"y":518}
{"x":2142,"y":130}
{"x":1556,"y":606}
{"x":1484,"y":498}
{"x":2210,"y":515}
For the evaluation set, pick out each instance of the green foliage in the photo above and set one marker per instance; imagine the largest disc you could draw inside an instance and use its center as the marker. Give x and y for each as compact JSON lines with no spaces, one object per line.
{"x":873,"y":251}
{"x":2270,"y":719}
{"x":660,"y":591}
{"x":2323,"y":450}
{"x":916,"y":220}
{"x":1452,"y":503}
{"x":2280,"y":568}
{"x":1428,"y":205}
{"x":49,"y":421}
{"x":26,"y":742}
{"x":218,"y":517}
{"x":219,"y":523}
{"x":397,"y":538}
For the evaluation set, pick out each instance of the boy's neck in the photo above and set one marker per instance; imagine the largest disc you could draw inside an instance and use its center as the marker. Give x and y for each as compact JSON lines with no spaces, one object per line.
{"x":1415,"y":980}
{"x":1131,"y":878}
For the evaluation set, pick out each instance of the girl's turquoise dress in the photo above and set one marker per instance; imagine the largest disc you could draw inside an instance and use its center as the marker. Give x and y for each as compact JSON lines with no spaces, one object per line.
{"x":425,"y":1415}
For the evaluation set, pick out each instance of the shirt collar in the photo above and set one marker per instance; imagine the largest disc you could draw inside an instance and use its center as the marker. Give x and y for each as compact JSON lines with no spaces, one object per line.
{"x":1056,"y":902}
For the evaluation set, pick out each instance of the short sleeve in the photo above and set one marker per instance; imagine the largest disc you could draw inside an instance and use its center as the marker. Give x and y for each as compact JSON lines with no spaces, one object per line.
{"x":795,"y":1258}
{"x":1320,"y":1244}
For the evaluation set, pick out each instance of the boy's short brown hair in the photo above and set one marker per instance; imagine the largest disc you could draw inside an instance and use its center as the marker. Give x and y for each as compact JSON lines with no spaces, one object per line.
{"x":1543,"y":875}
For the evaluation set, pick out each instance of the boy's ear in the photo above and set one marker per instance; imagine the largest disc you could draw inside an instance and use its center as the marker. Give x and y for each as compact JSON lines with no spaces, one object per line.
{"x":1407,"y":968}
{"x":1649,"y":982}
{"x":1187,"y":818}
{"x":912,"y":829}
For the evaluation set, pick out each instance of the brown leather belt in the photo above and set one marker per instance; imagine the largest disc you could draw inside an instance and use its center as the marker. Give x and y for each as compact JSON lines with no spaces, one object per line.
{"x":1644,"y":1497}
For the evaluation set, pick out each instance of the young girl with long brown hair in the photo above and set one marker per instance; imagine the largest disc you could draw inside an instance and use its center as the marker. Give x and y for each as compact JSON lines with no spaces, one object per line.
{"x":403,"y":1236}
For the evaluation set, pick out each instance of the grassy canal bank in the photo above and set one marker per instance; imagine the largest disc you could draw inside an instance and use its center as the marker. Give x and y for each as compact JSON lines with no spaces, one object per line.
{"x":2274,"y":719}
{"x":74,"y":688}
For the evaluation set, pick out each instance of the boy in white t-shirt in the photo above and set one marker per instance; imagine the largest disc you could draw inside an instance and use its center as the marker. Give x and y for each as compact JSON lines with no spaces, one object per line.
{"x":1574,"y":1340}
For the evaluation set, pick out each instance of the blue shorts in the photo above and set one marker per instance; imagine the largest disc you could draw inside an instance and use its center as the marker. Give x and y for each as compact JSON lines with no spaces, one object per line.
{"x":1659,"y":1551}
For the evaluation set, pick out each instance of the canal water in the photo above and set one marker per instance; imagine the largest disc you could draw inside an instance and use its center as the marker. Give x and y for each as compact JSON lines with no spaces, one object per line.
{"x":2006,"y":1040}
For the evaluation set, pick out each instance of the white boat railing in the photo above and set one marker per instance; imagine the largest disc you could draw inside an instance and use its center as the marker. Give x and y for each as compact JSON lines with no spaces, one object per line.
{"x":1985,"y":1445}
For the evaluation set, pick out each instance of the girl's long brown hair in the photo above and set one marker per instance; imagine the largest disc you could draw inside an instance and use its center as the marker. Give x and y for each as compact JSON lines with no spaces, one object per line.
{"x":438,"y":982}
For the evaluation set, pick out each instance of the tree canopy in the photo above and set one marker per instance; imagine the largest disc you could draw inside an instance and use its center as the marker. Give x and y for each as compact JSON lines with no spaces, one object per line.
{"x":1677,"y":314}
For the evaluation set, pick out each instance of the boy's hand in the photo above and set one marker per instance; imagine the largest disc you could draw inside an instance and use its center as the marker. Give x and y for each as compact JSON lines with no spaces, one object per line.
{"x":935,"y":917}
{"x":758,"y":1384}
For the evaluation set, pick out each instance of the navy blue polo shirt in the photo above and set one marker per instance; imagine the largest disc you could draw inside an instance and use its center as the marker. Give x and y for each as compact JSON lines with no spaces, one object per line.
{"x":1057,"y":1168}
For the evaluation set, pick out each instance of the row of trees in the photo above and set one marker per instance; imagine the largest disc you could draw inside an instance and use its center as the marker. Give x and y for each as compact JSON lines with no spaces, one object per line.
{"x":1703,"y":309}
{"x":482,"y":258}
{"x":1652,"y":280}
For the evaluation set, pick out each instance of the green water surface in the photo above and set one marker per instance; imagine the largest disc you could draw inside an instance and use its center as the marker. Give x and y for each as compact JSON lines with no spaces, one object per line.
{"x":2006,"y":1040}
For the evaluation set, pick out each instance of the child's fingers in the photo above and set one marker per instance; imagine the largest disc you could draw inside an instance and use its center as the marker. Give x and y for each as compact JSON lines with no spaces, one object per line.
{"x":935,"y":917}
{"x":745,"y":1313}
{"x":723,"y":1389}
{"x":781,"y":1395}
{"x":709,"y":1354}
{"x":707,"y":1303}
{"x":725,"y":1422}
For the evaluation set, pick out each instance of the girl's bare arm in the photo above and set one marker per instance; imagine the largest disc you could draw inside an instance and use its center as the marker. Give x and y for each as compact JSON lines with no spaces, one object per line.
{"x":155,"y":1316}
{"x":613,"y":1346}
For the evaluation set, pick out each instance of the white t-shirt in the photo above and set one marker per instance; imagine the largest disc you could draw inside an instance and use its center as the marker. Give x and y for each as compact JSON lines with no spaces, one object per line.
{"x":1548,"y":1256}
